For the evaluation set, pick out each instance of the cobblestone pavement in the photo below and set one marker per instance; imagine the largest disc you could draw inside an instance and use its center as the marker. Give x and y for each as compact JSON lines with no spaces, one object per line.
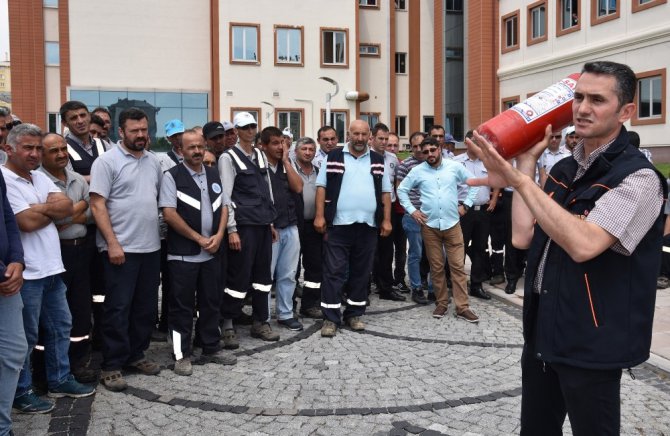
{"x":406,"y":374}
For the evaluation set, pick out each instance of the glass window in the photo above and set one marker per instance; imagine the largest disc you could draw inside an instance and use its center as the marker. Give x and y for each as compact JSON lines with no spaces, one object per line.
{"x":569,"y":13}
{"x":289,"y":46}
{"x":650,"y":100}
{"x":53,"y":121}
{"x":538,"y":21}
{"x":369,"y":3}
{"x":89,"y":98}
{"x":149,"y":97}
{"x":370,"y":117}
{"x":193,"y":117}
{"x":400,"y":5}
{"x":245,"y":43}
{"x":511,"y":31}
{"x":606,"y":7}
{"x":292,"y":120}
{"x":50,"y":3}
{"x":338,"y":120}
{"x":454,"y":53}
{"x":454,"y":6}
{"x":108,"y":98}
{"x":428,"y":122}
{"x":401,"y":63}
{"x":369,"y":50}
{"x":194,"y":100}
{"x":168,"y":99}
{"x":454,"y":125}
{"x":401,"y":125}
{"x":334,"y":47}
{"x":51,"y":53}
{"x":508,"y":103}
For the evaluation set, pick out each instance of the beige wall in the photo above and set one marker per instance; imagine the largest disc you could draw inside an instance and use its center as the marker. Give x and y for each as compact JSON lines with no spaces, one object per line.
{"x":428,"y":60}
{"x":148,"y":44}
{"x":375,"y":72}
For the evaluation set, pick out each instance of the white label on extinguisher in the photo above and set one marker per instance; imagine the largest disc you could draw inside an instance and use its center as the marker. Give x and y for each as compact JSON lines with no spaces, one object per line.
{"x":546,"y":100}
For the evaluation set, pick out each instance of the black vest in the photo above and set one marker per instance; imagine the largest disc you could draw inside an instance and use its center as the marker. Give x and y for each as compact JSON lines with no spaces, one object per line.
{"x":335,"y":169}
{"x":596,"y":314}
{"x":80,"y":159}
{"x":189,"y":208}
{"x":251,"y":194}
{"x":284,"y":198}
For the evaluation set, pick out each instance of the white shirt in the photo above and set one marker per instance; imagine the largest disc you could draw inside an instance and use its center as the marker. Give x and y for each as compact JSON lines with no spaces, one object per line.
{"x":549,"y":158}
{"x":41,"y":248}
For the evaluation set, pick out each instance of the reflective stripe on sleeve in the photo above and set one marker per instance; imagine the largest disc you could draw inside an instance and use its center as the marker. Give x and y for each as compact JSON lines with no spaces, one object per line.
{"x":235,"y":294}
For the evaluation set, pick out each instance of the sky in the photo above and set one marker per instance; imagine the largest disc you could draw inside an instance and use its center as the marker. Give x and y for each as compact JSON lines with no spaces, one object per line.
{"x":4,"y":30}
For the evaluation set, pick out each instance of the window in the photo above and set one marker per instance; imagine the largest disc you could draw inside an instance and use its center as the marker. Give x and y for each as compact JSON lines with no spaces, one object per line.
{"x":338,"y":120}
{"x":50,"y":4}
{"x":254,"y":111}
{"x":371,"y":118}
{"x":454,"y":125}
{"x":53,"y":122}
{"x":454,"y":6}
{"x":567,"y":16}
{"x":428,"y":122}
{"x":454,"y":53}
{"x":510,"y":32}
{"x":51,"y":53}
{"x":401,"y":126}
{"x":508,"y":102}
{"x":537,"y":22}
{"x":401,"y":63}
{"x":368,"y":4}
{"x":334,"y":47}
{"x":400,"y":5}
{"x":369,"y":50}
{"x":650,"y":98}
{"x":244,"y":47}
{"x":289,"y":46}
{"x":603,"y":11}
{"x":641,"y":5}
{"x":291,"y":118}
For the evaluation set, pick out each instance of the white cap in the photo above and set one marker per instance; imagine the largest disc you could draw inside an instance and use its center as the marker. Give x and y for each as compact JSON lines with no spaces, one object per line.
{"x":569,"y":130}
{"x":243,"y":119}
{"x":287,"y":132}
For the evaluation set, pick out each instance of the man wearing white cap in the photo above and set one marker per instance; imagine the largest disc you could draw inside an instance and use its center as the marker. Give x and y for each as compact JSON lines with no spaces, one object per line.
{"x":245,"y":180}
{"x":571,"y":138}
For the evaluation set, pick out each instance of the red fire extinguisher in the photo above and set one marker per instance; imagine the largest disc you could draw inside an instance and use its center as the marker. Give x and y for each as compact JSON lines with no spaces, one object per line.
{"x":520,"y":127}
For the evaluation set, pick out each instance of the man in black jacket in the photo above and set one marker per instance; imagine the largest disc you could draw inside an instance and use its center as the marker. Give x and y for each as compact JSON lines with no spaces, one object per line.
{"x":593,"y":258}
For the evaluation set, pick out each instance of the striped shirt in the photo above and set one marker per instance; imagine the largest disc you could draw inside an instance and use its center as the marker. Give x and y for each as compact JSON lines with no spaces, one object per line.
{"x":401,"y":172}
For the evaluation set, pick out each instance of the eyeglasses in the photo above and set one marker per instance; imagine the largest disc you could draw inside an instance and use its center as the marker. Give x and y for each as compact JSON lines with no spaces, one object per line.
{"x":248,"y":126}
{"x":430,"y":150}
{"x":556,"y":136}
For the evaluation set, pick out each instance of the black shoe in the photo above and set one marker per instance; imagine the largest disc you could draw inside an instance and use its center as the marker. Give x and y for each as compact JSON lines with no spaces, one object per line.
{"x":431,"y":297}
{"x":401,"y":287}
{"x":479,"y":292}
{"x":511,"y":286}
{"x":418,"y":298}
{"x":392,"y":295}
{"x":85,"y":375}
{"x":291,"y":324}
{"x":497,"y":279}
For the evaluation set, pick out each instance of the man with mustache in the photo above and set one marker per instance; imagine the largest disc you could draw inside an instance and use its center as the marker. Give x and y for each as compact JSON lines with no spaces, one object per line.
{"x":124,"y":190}
{"x":353,"y":206}
{"x":196,"y":211}
{"x":83,"y":149}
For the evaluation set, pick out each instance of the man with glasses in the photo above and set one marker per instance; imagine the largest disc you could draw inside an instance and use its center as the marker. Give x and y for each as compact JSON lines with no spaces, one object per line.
{"x":437,"y":180}
{"x":245,"y":179}
{"x":551,"y":155}
{"x":327,"y":139}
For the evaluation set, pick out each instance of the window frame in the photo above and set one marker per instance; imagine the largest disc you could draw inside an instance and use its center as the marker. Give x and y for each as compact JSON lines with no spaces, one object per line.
{"x":345,"y":30}
{"x":401,"y":129}
{"x":595,"y":19}
{"x":279,"y":63}
{"x":346,"y":121}
{"x":374,"y":6}
{"x":49,"y":5}
{"x":559,"y":15}
{"x":635,"y":120}
{"x":256,"y":62}
{"x":291,"y":109}
{"x":636,"y":6}
{"x":514,"y":98}
{"x":46,"y":53}
{"x":404,"y":8}
{"x":504,"y":48}
{"x":454,"y":11}
{"x":235,"y":109}
{"x":404,"y":73}
{"x":529,"y":23}
{"x":368,"y":114}
{"x":370,"y":44}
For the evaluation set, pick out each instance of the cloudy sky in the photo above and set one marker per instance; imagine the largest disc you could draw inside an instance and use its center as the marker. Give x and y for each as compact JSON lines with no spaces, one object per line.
{"x":4,"y":30}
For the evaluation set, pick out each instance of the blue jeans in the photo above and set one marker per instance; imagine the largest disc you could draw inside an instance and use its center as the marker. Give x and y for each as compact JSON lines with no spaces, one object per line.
{"x":45,"y":305}
{"x":13,"y":350}
{"x":285,"y":255}
{"x":414,"y":239}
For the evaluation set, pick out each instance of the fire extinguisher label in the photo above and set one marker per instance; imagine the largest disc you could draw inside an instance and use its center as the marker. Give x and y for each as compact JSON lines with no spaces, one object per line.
{"x":546,"y":100}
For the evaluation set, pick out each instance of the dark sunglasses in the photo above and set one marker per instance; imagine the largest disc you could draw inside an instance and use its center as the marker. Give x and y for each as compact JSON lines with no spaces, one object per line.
{"x":248,"y":126}
{"x":556,"y":136}
{"x":430,"y":150}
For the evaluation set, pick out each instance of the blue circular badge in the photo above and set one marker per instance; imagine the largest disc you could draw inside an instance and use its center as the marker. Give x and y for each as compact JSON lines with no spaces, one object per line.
{"x":216,"y":188}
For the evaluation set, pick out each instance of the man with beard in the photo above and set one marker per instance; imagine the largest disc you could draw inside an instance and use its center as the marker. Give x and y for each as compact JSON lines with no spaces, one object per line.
{"x":327,"y":139}
{"x":82,"y":148}
{"x":127,"y":219}
{"x":571,"y":138}
{"x":196,"y":210}
{"x":437,"y":180}
{"x":353,"y":206}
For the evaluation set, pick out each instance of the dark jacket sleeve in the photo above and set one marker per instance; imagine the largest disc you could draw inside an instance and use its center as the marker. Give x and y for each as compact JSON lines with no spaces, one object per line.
{"x":15,"y":248}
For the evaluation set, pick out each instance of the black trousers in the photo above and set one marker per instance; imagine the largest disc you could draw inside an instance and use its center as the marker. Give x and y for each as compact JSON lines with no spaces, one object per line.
{"x":77,"y":280}
{"x":475,"y":225}
{"x":665,"y":257}
{"x":249,"y":270}
{"x":346,"y":248}
{"x":515,"y":259}
{"x":591,"y":399}
{"x":498,"y":230}
{"x":166,"y":284}
{"x":399,"y":245}
{"x":383,"y":264}
{"x":189,"y":279}
{"x":311,"y":244}
{"x":97,"y":282}
{"x":130,"y":307}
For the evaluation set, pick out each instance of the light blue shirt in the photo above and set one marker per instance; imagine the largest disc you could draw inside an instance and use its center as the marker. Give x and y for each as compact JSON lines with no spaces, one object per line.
{"x":356,"y":203}
{"x":439,"y":192}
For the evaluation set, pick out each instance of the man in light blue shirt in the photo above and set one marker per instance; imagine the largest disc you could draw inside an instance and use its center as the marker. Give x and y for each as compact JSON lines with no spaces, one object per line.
{"x":353,"y":205}
{"x":437,"y":180}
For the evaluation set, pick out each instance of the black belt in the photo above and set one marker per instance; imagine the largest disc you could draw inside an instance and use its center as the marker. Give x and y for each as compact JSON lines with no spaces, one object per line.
{"x":480,"y":206}
{"x":75,"y":242}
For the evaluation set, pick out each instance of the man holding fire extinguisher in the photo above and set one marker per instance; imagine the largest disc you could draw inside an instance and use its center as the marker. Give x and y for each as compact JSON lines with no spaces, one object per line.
{"x":594,"y":236}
